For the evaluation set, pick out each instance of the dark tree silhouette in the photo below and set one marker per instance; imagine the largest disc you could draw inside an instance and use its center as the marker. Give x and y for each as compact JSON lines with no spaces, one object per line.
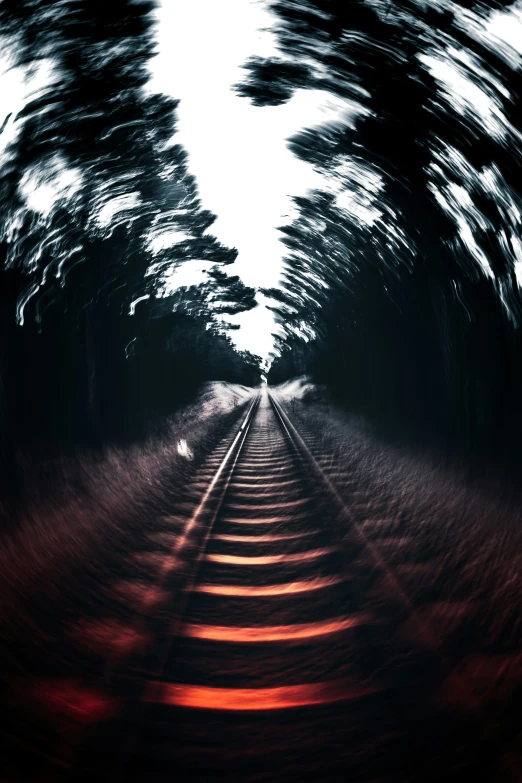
{"x":84,"y":359}
{"x":404,"y":268}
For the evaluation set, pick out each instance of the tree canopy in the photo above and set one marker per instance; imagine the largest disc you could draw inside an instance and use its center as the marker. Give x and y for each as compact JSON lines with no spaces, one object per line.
{"x":98,"y":210}
{"x":404,"y":267}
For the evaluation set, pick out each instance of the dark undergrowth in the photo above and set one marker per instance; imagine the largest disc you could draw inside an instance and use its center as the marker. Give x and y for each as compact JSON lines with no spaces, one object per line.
{"x":81,"y":509}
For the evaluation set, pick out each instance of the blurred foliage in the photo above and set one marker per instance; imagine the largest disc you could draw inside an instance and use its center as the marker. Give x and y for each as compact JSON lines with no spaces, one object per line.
{"x":97,"y":210}
{"x":402,"y":272}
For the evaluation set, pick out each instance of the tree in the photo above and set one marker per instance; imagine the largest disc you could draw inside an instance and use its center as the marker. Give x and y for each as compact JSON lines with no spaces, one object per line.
{"x":122,"y":212}
{"x":415,"y":236}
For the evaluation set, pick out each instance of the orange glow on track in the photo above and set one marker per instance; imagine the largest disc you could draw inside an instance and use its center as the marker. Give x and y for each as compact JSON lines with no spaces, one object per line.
{"x":296,"y":557}
{"x":288,"y":504}
{"x":274,"y":633}
{"x":263,"y":539}
{"x":303,"y":586}
{"x":110,"y":636}
{"x":205,"y":698}
{"x":275,"y":520}
{"x":74,"y":700}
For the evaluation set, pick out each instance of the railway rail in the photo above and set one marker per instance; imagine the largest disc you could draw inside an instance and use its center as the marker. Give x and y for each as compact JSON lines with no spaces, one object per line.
{"x":284,"y":655}
{"x":278,"y":643}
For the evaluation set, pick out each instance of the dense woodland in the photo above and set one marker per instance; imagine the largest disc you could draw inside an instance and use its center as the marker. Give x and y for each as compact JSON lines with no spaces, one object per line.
{"x":94,"y":346}
{"x":401,"y":289}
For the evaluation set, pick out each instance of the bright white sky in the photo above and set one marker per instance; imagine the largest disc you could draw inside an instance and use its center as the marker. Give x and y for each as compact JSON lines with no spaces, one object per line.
{"x":237,"y":152}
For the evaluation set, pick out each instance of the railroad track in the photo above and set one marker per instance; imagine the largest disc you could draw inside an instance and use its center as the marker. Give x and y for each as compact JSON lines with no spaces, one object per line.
{"x":284,"y":658}
{"x":279,"y":644}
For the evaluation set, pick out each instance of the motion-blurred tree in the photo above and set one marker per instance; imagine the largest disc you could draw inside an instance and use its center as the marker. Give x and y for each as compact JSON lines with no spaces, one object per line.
{"x":410,"y":250}
{"x":98,"y":210}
